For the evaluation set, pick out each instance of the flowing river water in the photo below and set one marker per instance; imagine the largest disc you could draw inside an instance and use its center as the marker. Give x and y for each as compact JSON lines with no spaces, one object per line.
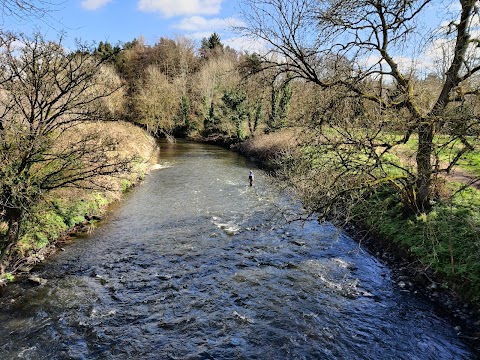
{"x":195,"y":264}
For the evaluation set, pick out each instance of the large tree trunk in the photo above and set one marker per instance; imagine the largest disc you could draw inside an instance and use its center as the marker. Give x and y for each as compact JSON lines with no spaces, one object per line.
{"x":14,"y":217}
{"x":424,"y":166}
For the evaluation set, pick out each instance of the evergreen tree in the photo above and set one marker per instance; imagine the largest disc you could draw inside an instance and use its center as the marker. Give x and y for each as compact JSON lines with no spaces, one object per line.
{"x":211,"y":46}
{"x":235,"y":109}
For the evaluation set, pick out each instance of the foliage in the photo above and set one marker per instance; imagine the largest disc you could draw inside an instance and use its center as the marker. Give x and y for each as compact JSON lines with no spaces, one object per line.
{"x":216,"y":77}
{"x":156,"y":102}
{"x":171,"y":63}
{"x":255,"y":116}
{"x":47,"y":93}
{"x":183,"y":119}
{"x":6,"y":277}
{"x":47,"y":221}
{"x":281,"y":95}
{"x":446,"y":239}
{"x":107,"y":52}
{"x":235,"y":109}
{"x":211,"y":46}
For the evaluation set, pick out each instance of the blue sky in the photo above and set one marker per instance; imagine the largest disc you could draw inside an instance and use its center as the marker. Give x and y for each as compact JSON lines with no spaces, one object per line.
{"x":124,"y":20}
{"x":117,"y":21}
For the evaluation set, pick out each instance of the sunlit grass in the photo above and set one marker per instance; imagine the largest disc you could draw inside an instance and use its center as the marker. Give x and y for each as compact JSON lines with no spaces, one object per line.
{"x":470,"y":161}
{"x":446,"y":240}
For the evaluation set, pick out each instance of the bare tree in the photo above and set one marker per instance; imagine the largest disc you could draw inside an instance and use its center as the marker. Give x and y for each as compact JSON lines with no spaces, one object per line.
{"x":156,"y":102}
{"x":217,"y":75}
{"x":46,"y":95}
{"x":357,"y":49}
{"x":22,"y":10}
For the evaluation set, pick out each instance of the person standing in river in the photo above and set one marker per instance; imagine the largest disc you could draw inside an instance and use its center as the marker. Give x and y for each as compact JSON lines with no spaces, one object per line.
{"x":250,"y":177}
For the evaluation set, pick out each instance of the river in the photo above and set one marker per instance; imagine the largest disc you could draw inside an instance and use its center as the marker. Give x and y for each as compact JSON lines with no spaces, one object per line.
{"x":196,"y":264}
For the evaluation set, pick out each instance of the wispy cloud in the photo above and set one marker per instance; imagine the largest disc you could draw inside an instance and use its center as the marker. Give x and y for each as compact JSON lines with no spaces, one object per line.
{"x":199,"y":35}
{"x":94,"y":4}
{"x":170,"y":8}
{"x":245,"y":44}
{"x":199,"y":23}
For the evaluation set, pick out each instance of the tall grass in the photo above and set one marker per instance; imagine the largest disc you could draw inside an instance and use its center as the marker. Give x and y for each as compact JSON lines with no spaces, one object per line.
{"x":267,"y":149}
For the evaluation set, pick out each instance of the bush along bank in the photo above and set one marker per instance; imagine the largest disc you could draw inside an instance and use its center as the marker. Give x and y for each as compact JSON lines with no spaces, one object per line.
{"x":63,"y":213}
{"x":435,"y":254}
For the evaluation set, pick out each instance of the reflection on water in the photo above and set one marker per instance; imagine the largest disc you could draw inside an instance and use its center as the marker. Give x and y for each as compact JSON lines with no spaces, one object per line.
{"x":195,"y":264}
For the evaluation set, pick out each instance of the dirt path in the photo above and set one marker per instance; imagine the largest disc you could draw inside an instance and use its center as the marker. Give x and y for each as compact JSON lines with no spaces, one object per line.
{"x":464,"y":177}
{"x":456,"y":175}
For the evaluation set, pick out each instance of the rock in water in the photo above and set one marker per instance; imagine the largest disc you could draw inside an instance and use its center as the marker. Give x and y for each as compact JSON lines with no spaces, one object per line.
{"x":37,"y":280}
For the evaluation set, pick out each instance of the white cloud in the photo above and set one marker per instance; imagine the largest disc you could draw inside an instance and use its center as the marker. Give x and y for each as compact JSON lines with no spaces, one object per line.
{"x":170,"y":8}
{"x":94,"y":4}
{"x":249,"y":45}
{"x":200,"y":35}
{"x":420,"y":65}
{"x":199,"y":23}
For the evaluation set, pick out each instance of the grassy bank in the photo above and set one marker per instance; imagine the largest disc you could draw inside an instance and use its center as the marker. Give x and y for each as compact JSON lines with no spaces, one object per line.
{"x":446,"y":241}
{"x":68,"y":210}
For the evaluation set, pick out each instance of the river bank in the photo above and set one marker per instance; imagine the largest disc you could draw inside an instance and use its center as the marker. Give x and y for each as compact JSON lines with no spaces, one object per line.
{"x":411,"y":276}
{"x":70,"y":211}
{"x":411,"y":273}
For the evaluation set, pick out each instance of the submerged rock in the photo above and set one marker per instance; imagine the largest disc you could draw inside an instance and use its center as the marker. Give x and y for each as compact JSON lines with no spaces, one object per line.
{"x":298,"y":242}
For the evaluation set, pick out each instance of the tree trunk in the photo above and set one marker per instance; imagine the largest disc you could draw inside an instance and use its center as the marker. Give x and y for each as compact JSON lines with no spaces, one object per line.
{"x":14,"y":217}
{"x":424,"y":165}
{"x":425,"y":129}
